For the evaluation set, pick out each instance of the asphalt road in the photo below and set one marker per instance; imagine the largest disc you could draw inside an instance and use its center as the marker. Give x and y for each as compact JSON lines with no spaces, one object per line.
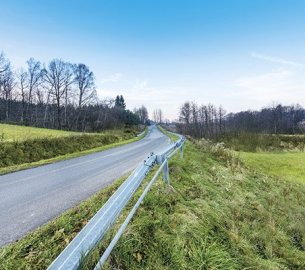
{"x":30,"y":198}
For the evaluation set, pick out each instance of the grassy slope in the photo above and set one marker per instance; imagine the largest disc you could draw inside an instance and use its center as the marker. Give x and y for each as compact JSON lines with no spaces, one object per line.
{"x":118,"y":133}
{"x":17,"y":133}
{"x":289,"y":165}
{"x":171,"y":135}
{"x":217,"y":215}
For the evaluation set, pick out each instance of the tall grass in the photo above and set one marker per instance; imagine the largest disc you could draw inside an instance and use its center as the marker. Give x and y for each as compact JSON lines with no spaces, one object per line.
{"x":252,"y":142}
{"x":216,"y":215}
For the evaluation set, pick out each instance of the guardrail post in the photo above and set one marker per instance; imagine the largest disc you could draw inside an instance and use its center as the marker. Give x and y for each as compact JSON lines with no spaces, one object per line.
{"x":166,"y":172}
{"x":181,"y":150}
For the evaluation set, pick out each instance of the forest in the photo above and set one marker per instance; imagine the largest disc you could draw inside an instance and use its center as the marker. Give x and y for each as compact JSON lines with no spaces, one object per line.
{"x":60,"y":95}
{"x":210,"y":121}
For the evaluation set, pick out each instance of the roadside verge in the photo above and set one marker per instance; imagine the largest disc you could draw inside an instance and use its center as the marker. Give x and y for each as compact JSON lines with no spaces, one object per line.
{"x":23,"y":166}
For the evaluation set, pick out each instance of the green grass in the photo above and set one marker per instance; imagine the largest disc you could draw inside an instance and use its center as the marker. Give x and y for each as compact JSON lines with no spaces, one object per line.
{"x":18,"y":133}
{"x":256,"y":142}
{"x":216,"y":215}
{"x":171,"y":135}
{"x":122,"y":138}
{"x":288,"y":165}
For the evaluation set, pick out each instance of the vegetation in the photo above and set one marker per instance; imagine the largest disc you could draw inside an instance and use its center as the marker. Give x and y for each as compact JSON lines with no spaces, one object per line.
{"x":278,"y":155}
{"x":216,"y":215}
{"x":283,"y":165}
{"x":22,"y":133}
{"x":209,"y":121}
{"x":16,"y":155}
{"x":60,"y":95}
{"x":253,"y":142}
{"x":171,"y":135}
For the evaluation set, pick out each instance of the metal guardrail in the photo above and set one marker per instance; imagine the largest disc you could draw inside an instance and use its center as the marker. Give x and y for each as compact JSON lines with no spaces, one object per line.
{"x":100,"y":223}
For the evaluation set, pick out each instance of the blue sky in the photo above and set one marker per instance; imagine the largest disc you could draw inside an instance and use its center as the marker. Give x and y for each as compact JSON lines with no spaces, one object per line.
{"x":243,"y":54}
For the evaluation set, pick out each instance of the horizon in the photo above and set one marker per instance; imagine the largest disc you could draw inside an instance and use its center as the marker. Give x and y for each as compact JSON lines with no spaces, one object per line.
{"x":241,"y":55}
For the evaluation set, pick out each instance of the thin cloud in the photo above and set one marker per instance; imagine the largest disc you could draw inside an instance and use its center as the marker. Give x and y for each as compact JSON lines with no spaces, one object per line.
{"x":276,"y":60}
{"x":113,"y":78}
{"x":265,"y":81}
{"x":281,"y":85}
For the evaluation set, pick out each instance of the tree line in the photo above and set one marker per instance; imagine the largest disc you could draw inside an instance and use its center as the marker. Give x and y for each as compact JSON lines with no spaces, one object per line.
{"x":59,"y":95}
{"x":210,"y":121}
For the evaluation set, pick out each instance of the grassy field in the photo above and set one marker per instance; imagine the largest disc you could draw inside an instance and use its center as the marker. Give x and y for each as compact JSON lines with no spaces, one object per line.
{"x":216,"y":215}
{"x":18,"y":133}
{"x":256,"y":142}
{"x":281,"y":156}
{"x":22,"y":153}
{"x":290,"y":166}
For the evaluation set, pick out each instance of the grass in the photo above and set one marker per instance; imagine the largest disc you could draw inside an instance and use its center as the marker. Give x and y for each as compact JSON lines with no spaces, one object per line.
{"x":256,"y":142}
{"x":216,"y":215}
{"x":21,"y":155}
{"x":171,"y":135}
{"x":288,"y":165}
{"x":277,"y":155}
{"x":20,"y":133}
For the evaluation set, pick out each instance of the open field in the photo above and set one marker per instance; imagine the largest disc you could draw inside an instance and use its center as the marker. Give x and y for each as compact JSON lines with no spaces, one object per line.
{"x":216,"y":215}
{"x":19,"y":133}
{"x":278,"y":155}
{"x":290,"y":166}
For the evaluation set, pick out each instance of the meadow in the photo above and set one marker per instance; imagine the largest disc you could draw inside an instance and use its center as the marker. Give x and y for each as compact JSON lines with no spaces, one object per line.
{"x":281,"y":156}
{"x":21,"y":133}
{"x":288,"y":165}
{"x":257,"y":142}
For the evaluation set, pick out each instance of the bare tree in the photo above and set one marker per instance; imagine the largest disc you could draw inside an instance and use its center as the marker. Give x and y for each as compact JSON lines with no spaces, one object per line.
{"x":158,"y":116}
{"x":34,"y":80}
{"x":4,"y":63}
{"x":221,"y":114}
{"x":23,"y":86}
{"x":84,"y":79}
{"x":59,"y":77}
{"x":34,"y":77}
{"x":7,"y":83}
{"x":185,"y":113}
{"x":4,"y":66}
{"x":201,"y":121}
{"x":142,"y":113}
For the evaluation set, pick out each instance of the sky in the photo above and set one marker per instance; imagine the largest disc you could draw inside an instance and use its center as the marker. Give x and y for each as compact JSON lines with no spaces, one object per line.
{"x":241,"y":54}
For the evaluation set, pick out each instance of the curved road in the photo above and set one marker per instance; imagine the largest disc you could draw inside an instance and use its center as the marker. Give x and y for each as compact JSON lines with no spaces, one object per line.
{"x":32,"y":197}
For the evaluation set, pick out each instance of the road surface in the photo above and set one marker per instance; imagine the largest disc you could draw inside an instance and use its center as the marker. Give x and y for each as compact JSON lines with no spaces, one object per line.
{"x":30,"y":198}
